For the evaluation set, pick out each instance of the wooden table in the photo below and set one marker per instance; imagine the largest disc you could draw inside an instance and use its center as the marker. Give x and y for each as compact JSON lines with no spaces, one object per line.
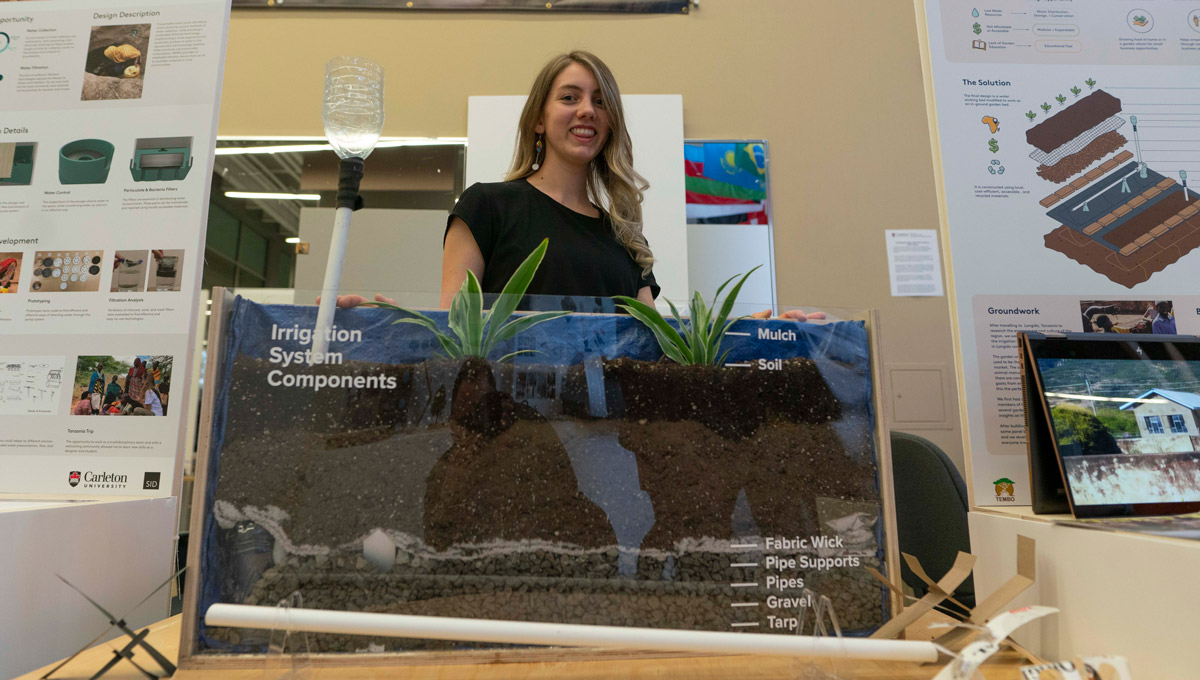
{"x":164,"y":636}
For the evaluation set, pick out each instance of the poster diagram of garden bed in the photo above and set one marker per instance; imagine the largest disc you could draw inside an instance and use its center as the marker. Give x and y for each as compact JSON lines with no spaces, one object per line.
{"x":587,"y":480}
{"x":1124,"y":218}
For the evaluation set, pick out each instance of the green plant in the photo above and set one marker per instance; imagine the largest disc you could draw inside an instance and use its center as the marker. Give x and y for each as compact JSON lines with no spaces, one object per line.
{"x":1030,"y":115}
{"x":476,"y":334}
{"x":697,"y":342}
{"x":1046,"y":107}
{"x":1060,"y":99}
{"x":1090,"y":83}
{"x":1075,"y":90}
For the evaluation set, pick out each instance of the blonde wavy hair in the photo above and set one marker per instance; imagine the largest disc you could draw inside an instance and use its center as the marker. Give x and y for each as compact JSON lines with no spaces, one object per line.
{"x":612,"y":183}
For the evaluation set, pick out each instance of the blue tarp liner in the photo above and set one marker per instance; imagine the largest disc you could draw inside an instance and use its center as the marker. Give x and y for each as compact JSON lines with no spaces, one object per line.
{"x":606,"y":472}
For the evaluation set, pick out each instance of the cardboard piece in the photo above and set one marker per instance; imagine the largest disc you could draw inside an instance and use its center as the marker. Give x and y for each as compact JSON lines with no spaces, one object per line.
{"x":917,"y":569}
{"x":938,"y":592}
{"x":992,"y":604}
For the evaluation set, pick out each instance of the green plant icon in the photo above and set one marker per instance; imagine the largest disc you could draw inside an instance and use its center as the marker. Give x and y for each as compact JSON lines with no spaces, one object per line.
{"x":697,"y":342}
{"x":1060,"y":99}
{"x":976,"y":28}
{"x":1090,"y":83}
{"x":1075,"y":90}
{"x":1030,"y":115}
{"x":993,"y":145}
{"x":476,"y":334}
{"x":1046,"y":107}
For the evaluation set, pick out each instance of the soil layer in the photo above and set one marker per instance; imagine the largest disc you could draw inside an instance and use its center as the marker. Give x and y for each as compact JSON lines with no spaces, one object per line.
{"x":1078,"y":162}
{"x":1073,"y":121}
{"x":733,"y":402}
{"x":694,"y":477}
{"x":1133,"y":269}
{"x":1148,"y":219}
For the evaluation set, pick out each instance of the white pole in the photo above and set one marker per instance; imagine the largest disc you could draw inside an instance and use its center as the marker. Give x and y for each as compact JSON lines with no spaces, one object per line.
{"x":333,"y":275}
{"x":564,"y":635}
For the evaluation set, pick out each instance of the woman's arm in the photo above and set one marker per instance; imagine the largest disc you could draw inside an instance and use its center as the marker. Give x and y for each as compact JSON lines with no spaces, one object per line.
{"x":645,"y":295}
{"x":459,"y":254}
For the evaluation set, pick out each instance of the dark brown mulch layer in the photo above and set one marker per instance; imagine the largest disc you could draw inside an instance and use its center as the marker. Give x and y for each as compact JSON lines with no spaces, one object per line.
{"x":1078,"y":162}
{"x":733,"y":402}
{"x":693,"y":477}
{"x":1148,"y":219}
{"x":1073,"y":121}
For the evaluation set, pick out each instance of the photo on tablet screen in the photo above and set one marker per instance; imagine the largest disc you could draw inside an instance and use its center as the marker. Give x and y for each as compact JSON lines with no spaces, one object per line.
{"x":1127,"y":429}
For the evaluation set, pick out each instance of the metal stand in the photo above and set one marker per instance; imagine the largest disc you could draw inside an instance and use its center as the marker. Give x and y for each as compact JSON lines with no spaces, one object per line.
{"x":136,"y":640}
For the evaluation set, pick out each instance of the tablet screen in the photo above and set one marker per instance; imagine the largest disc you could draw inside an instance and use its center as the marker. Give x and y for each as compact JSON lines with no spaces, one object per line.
{"x":1125,"y":416}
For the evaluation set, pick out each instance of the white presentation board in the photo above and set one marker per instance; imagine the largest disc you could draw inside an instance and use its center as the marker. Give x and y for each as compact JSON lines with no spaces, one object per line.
{"x":110,"y":111}
{"x":1065,"y":132}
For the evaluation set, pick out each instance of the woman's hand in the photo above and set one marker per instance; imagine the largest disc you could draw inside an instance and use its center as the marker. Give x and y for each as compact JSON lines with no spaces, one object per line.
{"x":790,"y":315}
{"x":348,"y":301}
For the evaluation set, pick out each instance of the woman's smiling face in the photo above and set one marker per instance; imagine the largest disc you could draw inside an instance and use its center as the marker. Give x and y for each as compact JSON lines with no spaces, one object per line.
{"x":574,"y":121}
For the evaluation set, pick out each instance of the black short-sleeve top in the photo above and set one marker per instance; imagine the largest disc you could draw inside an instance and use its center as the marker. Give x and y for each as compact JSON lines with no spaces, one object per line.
{"x":584,"y":258}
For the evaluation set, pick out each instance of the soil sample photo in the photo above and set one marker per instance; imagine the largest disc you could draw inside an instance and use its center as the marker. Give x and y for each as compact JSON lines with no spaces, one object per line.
{"x":116,"y":62}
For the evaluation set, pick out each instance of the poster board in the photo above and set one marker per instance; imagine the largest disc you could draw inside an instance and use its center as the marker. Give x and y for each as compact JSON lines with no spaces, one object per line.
{"x":111,"y":112}
{"x":1049,"y":221}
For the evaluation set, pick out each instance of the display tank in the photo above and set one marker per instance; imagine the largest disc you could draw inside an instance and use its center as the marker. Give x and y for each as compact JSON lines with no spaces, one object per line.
{"x":557,"y":469}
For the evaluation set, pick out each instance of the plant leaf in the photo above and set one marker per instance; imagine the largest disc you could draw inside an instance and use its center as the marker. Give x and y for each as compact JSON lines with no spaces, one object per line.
{"x":511,"y":296}
{"x":458,"y":317}
{"x":669,"y":340}
{"x":522,"y":324}
{"x":727,"y":306}
{"x":699,"y":329}
{"x":452,"y":349}
{"x":510,"y":355}
{"x":474,"y":316}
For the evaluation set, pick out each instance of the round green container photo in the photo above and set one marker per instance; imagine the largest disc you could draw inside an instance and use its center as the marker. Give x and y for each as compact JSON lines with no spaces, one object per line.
{"x":85,"y":161}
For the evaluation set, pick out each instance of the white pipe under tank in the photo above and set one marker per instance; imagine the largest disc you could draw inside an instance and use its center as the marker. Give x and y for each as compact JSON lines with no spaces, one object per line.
{"x":564,"y":635}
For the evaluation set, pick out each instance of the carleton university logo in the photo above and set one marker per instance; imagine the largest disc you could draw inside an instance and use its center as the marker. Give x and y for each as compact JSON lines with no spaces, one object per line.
{"x":97,"y":480}
{"x":1004,"y":490}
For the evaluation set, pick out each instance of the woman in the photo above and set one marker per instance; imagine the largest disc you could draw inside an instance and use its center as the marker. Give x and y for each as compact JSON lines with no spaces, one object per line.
{"x":112,"y":393}
{"x":135,"y":383}
{"x":83,"y":407}
{"x":152,"y":403}
{"x":572,"y":181}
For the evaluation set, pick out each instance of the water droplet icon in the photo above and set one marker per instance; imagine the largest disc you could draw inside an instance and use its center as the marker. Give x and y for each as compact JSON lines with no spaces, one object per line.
{"x":975,"y":13}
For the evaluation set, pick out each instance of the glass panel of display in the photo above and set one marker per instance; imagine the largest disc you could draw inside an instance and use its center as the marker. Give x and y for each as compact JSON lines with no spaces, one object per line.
{"x":574,"y":475}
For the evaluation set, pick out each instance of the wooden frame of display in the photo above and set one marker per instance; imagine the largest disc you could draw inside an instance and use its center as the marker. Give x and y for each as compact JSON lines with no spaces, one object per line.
{"x":190,"y":659}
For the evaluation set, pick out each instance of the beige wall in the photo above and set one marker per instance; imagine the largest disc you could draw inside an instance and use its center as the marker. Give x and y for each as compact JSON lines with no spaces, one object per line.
{"x":836,"y":89}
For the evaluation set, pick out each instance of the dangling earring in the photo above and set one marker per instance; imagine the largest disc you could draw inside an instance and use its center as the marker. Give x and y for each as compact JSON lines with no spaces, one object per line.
{"x":537,"y":153}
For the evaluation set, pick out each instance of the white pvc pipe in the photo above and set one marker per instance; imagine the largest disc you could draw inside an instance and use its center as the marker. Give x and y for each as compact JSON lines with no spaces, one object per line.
{"x":333,"y":275}
{"x":564,"y":635}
